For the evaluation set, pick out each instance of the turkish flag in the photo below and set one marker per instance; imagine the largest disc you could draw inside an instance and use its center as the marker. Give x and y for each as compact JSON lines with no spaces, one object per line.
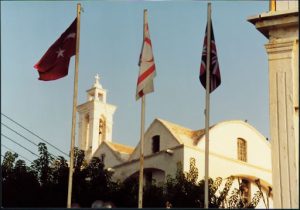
{"x":55,"y":63}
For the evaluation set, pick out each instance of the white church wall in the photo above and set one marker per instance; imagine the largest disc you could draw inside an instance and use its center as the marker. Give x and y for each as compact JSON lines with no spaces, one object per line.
{"x":199,"y":159}
{"x":221,"y":166}
{"x":166,"y":140}
{"x":224,"y":167}
{"x":110,"y":158}
{"x":161,"y":161}
{"x":223,"y":140}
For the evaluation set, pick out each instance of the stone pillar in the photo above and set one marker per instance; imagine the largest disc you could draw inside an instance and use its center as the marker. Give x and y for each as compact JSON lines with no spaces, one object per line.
{"x":281,"y":28}
{"x":282,"y":123}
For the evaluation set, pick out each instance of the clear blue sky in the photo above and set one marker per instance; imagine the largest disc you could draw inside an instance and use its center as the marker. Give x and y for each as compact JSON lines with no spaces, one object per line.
{"x":110,"y":43}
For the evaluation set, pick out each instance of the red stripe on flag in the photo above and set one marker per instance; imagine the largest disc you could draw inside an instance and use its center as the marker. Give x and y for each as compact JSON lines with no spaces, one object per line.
{"x":141,"y":93}
{"x":148,"y":41}
{"x":143,"y":76}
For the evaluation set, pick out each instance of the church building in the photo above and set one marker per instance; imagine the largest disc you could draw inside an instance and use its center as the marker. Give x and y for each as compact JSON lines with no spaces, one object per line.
{"x":236,"y":149}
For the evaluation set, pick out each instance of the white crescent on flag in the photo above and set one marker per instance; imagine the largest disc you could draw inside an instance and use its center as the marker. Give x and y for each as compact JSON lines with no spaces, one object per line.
{"x":147,"y":66}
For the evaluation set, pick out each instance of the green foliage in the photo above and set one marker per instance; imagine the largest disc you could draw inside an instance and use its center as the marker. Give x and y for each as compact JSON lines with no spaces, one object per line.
{"x":19,"y":183}
{"x":97,"y":182}
{"x":153,"y":196}
{"x":45,"y":184}
{"x":192,"y":175}
{"x":236,"y":199}
{"x":127,"y":193}
{"x":8,"y":164}
{"x":220,"y":200}
{"x":181,"y":191}
{"x":8,"y":161}
{"x":42,"y":165}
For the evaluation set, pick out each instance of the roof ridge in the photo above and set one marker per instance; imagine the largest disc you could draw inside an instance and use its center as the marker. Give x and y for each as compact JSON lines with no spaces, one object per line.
{"x":120,"y":147}
{"x":124,"y":145}
{"x":172,"y":124}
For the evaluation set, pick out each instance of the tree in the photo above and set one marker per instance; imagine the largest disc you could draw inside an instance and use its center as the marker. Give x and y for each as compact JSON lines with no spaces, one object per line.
{"x":90,"y":180}
{"x":42,"y":164}
{"x":42,"y":169}
{"x":182,"y":191}
{"x":98,"y":180}
{"x":126,"y":193}
{"x":20,"y":186}
{"x":153,"y":196}
{"x":234,"y":200}
{"x":26,"y":185}
{"x":45,"y":184}
{"x":59,"y":181}
{"x":7,"y":178}
{"x":8,"y":164}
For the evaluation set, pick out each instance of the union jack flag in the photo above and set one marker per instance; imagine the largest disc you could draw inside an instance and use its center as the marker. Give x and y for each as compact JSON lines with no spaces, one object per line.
{"x":147,"y":66}
{"x":215,"y":76}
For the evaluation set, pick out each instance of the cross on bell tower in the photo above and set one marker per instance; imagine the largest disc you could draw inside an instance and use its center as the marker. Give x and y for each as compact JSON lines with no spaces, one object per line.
{"x":96,"y":93}
{"x":95,"y":119}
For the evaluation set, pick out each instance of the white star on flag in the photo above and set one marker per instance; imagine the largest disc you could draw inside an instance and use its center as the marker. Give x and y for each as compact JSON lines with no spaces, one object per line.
{"x":60,"y":53}
{"x":55,"y":62}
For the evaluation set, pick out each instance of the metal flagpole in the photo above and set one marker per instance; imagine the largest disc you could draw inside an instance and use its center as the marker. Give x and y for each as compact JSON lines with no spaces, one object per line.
{"x":141,"y":177}
{"x":74,"y":109}
{"x":208,"y":39}
{"x":140,"y":204}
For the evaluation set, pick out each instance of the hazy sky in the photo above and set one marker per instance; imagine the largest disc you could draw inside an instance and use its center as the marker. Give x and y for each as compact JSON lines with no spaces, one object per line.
{"x":110,"y":43}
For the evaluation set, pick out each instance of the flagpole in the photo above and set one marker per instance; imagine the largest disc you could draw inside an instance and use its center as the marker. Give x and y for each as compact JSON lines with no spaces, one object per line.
{"x":141,"y":177}
{"x":206,"y":202}
{"x":140,"y":204}
{"x":74,"y":109}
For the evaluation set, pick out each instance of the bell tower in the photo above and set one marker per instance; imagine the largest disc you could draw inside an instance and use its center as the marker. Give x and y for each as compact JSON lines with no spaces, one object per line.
{"x":95,"y":119}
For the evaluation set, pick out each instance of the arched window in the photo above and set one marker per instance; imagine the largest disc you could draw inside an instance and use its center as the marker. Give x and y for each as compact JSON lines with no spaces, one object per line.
{"x":242,"y":149}
{"x":86,"y":132}
{"x":102,"y":127}
{"x":155,"y":144}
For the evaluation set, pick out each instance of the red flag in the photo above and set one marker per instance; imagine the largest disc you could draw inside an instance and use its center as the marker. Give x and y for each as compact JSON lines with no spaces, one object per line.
{"x":55,"y":63}
{"x":215,"y":76}
{"x":146,"y":63}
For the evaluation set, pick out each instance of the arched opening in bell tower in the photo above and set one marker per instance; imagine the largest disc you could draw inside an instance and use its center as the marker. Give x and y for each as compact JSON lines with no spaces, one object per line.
{"x":86,"y":131}
{"x":102,"y":129}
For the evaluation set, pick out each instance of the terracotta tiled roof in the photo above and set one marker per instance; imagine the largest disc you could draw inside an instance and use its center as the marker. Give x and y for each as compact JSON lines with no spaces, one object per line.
{"x":120,"y":148}
{"x":184,"y":135}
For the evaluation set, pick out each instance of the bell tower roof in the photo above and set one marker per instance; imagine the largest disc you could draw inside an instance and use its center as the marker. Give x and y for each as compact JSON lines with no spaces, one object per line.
{"x":96,"y":92}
